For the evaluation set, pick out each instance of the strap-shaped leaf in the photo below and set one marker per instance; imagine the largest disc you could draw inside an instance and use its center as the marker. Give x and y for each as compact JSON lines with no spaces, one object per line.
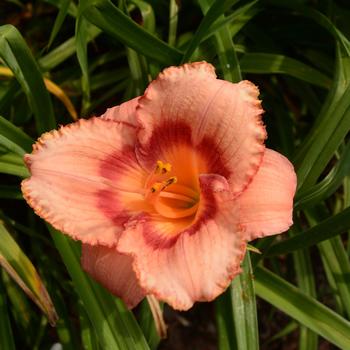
{"x":306,"y":310}
{"x":20,"y":268}
{"x":113,"y":21}
{"x":17,"y":56}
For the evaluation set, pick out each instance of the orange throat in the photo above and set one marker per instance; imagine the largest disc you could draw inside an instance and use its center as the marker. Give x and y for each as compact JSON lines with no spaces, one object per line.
{"x":170,"y":198}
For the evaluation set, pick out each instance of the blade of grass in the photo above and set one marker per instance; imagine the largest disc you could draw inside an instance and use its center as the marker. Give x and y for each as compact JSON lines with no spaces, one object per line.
{"x":308,"y":340}
{"x":302,"y":308}
{"x":244,"y":310}
{"x":312,"y":157}
{"x":173,"y":19}
{"x":6,"y":336}
{"x":224,"y":321}
{"x":15,"y":134}
{"x":65,"y":50}
{"x":212,"y":13}
{"x":243,"y":14}
{"x":326,"y":229}
{"x":225,"y":49}
{"x":62,"y":13}
{"x":146,"y":322}
{"x":81,"y":26}
{"x":113,"y":21}
{"x":11,"y":147}
{"x":266,"y":63}
{"x":325,"y":188}
{"x":337,"y":260}
{"x":16,"y":263}
{"x":17,"y":56}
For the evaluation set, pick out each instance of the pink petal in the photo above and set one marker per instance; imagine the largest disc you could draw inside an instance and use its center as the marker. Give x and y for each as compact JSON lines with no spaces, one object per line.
{"x":85,"y":179}
{"x":196,"y":264}
{"x":188,"y":106}
{"x":123,"y":113}
{"x":114,"y":271}
{"x":267,"y":204}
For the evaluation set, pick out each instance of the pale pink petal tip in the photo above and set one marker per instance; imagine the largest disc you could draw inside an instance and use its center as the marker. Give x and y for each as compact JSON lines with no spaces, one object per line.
{"x":199,"y":264}
{"x":114,"y":271}
{"x":123,"y":113}
{"x":267,"y":204}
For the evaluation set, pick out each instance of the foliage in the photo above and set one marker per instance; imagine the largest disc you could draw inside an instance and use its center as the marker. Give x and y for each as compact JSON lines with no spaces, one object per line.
{"x":99,"y":53}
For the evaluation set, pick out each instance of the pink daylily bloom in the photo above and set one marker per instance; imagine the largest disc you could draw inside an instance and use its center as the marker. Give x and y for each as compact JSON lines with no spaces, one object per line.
{"x":165,"y":190}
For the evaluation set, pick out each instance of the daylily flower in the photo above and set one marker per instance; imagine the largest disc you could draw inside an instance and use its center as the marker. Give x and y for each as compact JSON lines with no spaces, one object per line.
{"x":165,"y":190}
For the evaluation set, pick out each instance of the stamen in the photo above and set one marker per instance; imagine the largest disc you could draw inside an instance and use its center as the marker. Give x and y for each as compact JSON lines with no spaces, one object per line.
{"x":162,"y":168}
{"x":160,"y":186}
{"x":179,"y":201}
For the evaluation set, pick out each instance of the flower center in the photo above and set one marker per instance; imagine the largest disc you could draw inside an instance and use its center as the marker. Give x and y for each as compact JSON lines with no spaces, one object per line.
{"x":168,"y":197}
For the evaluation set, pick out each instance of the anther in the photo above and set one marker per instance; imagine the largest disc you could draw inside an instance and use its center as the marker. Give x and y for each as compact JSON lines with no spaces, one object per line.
{"x":160,"y":186}
{"x":162,"y":168}
{"x":170,"y":181}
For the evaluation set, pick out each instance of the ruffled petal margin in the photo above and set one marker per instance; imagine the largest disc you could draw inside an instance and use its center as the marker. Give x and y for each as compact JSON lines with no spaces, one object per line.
{"x":221,"y":120}
{"x":267,"y":204}
{"x":126,"y":112}
{"x":114,"y":271}
{"x":201,"y":261}
{"x":85,"y":179}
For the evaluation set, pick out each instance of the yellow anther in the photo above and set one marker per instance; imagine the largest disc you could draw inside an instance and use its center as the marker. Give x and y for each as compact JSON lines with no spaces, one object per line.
{"x":162,"y":168}
{"x":160,"y":186}
{"x":156,"y":187}
{"x":166,"y":168}
{"x":170,"y":181}
{"x":159,"y":167}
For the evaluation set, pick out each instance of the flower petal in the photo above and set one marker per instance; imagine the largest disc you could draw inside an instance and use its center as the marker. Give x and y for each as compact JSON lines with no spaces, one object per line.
{"x":123,"y":113}
{"x":114,"y":271}
{"x":85,"y":179}
{"x":220,"y":120}
{"x":198,"y":263}
{"x":267,"y":204}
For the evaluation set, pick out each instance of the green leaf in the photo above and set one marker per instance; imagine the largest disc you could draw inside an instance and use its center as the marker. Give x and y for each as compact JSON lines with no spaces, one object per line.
{"x":11,"y":163}
{"x":15,"y":134}
{"x":329,"y":128}
{"x":306,"y":282}
{"x":266,"y":63}
{"x":65,"y":50}
{"x":325,"y":188}
{"x":238,"y":17}
{"x":236,"y":313}
{"x":306,"y":310}
{"x":224,"y":44}
{"x":11,"y":146}
{"x":327,"y":229}
{"x":113,"y":21}
{"x":6,"y":336}
{"x":173,"y":19}
{"x":64,"y":6}
{"x":244,"y":308}
{"x":335,"y":256}
{"x":147,"y":324}
{"x":115,"y":326}
{"x":211,"y":15}
{"x":147,"y":14}
{"x":81,"y":27}
{"x":20,"y":268}
{"x":17,"y":56}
